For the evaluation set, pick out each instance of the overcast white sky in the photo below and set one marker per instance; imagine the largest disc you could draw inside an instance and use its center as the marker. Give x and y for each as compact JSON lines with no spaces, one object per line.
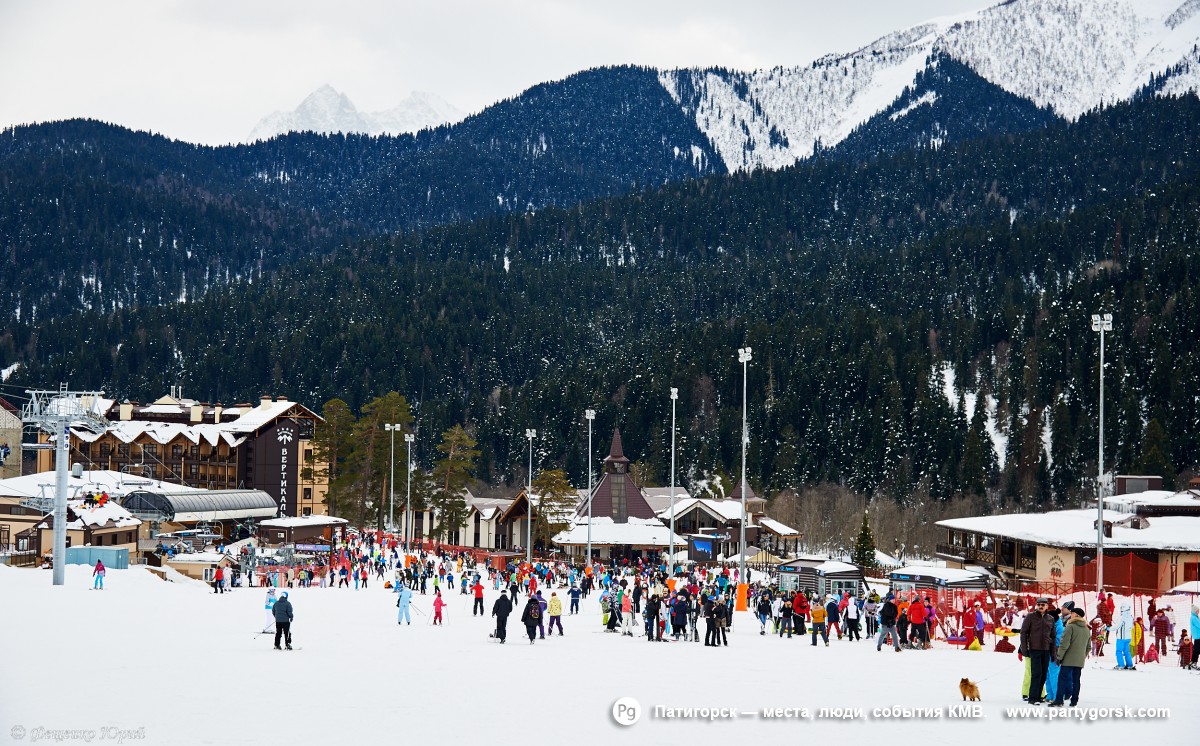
{"x":208,"y":70}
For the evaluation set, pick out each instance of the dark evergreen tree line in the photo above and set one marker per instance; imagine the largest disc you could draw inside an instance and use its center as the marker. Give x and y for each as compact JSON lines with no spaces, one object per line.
{"x":854,"y":314}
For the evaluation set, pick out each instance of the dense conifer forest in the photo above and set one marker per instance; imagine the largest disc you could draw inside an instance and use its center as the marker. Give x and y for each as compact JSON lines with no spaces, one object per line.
{"x":866,"y":286}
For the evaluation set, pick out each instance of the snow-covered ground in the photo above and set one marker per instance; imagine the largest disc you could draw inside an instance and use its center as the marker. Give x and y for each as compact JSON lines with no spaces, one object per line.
{"x":171,"y":663}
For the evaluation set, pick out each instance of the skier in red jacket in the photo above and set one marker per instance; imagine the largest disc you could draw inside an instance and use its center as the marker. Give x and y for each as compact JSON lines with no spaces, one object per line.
{"x":478,"y":590}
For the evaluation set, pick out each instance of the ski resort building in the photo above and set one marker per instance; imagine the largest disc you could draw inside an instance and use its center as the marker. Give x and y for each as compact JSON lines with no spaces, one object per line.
{"x":624,"y":524}
{"x":266,"y":446}
{"x":108,"y":525}
{"x":1151,"y":544}
{"x":722,"y":520}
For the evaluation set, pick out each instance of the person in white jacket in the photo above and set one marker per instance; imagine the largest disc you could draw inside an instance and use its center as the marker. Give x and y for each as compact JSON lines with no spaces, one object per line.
{"x":851,"y":616}
{"x":1124,"y":630}
{"x":269,"y":627}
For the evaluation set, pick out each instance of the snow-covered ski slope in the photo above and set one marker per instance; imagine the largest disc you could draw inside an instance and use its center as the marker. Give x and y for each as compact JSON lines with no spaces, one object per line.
{"x":188,"y":667}
{"x":1067,"y":55}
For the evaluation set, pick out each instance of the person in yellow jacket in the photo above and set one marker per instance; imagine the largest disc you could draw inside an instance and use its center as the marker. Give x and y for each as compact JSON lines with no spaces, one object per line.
{"x":1136,"y":640}
{"x":818,"y":623}
{"x":554,"y":610}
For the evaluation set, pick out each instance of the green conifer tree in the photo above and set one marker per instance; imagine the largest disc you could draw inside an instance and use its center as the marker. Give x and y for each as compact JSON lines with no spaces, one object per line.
{"x":863,"y":553}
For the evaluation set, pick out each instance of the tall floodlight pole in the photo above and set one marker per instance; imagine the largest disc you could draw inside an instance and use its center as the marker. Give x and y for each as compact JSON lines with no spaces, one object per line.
{"x":392,"y":428}
{"x":744,"y":359}
{"x":55,"y":412}
{"x":671,"y":538}
{"x":589,"y":415}
{"x":1100,"y":323}
{"x":531,"y":434}
{"x":408,"y":438}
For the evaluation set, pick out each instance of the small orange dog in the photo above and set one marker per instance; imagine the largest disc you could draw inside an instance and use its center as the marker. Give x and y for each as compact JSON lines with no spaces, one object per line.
{"x":969,"y":690}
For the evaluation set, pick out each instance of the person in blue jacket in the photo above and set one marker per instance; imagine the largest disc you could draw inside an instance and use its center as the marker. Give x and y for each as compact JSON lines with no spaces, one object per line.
{"x":1053,"y":669}
{"x":575,"y":593}
{"x":404,"y":598}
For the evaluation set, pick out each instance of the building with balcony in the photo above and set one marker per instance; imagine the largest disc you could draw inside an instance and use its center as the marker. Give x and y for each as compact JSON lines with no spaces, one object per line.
{"x":1151,"y":544}
{"x":266,"y":446}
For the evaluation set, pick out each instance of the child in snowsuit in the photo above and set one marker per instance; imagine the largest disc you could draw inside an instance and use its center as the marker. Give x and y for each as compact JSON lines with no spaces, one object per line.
{"x":438,"y":605}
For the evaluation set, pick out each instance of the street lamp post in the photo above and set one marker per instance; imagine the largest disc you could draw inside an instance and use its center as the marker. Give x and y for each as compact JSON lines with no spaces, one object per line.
{"x":590,"y":416}
{"x":531,"y":434}
{"x":1100,"y":323}
{"x":671,"y":538}
{"x":408,"y":438}
{"x":392,"y":428}
{"x":744,"y":359}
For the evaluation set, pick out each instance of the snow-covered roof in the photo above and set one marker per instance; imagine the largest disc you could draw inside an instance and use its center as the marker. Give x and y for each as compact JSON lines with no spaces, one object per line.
{"x":1076,"y":528}
{"x":304,"y":520}
{"x":128,"y":431}
{"x":659,"y":498}
{"x":776,"y":527}
{"x":729,"y":510}
{"x":944,"y":574}
{"x":1192,"y":586}
{"x":820,"y":566}
{"x":562,"y":514}
{"x":204,"y":558}
{"x":832,"y":566}
{"x":1153,"y":498}
{"x":238,"y":422}
{"x":115,"y":483}
{"x":638,"y":532}
{"x":488,"y":507}
{"x":254,"y":418}
{"x":110,"y":515}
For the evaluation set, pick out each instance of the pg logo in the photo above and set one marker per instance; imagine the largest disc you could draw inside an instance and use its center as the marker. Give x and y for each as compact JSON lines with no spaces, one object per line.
{"x":626,"y":711}
{"x":285,"y":435}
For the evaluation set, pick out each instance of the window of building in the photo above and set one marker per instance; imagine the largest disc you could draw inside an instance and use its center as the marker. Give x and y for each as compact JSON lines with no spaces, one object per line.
{"x":619,"y":506}
{"x":176,"y":451}
{"x":194,"y":470}
{"x":105,"y":450}
{"x":1029,"y":551}
{"x":985,"y":543}
{"x":150,"y":449}
{"x":307,"y":511}
{"x":123,"y":450}
{"x":210,"y":574}
{"x":195,"y":451}
{"x":308,"y":493}
{"x":308,"y":454}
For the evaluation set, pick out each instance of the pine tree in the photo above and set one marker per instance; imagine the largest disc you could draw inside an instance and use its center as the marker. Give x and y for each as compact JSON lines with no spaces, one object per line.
{"x":554,"y":502}
{"x":863,"y":553}
{"x":1156,"y":455}
{"x":450,"y":475}
{"x":975,"y":472}
{"x":331,"y":446}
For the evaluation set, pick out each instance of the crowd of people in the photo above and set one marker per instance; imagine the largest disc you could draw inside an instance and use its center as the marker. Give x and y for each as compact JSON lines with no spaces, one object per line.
{"x":645,"y":601}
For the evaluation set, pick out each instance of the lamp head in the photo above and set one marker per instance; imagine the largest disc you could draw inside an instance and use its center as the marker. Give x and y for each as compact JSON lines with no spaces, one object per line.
{"x":589,"y":414}
{"x":674,"y":394}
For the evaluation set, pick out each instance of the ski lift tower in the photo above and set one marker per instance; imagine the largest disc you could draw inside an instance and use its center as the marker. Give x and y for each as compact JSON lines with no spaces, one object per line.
{"x":54,"y":412}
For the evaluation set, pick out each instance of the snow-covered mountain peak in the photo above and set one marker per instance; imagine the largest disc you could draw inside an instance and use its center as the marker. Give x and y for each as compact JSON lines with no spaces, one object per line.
{"x":326,"y":110}
{"x":1068,"y":56}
